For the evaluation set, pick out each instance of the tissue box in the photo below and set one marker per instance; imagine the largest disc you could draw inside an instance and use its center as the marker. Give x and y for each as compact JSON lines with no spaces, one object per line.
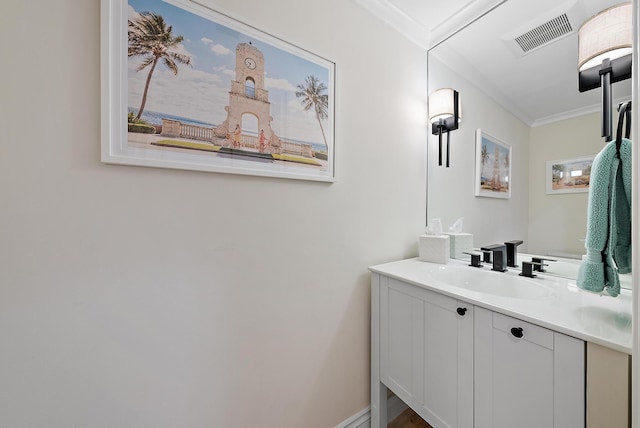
{"x":459,"y":243}
{"x":434,"y":248}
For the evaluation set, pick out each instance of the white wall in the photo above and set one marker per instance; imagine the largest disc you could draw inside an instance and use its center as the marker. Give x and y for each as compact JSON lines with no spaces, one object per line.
{"x":140,"y":297}
{"x":558,"y":222}
{"x":451,"y":190}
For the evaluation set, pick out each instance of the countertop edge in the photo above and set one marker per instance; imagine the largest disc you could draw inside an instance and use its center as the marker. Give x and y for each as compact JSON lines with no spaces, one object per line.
{"x":504,"y":306}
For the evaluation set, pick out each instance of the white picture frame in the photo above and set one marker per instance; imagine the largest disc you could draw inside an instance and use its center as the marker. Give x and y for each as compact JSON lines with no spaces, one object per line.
{"x":200,"y":105}
{"x":493,"y":167}
{"x":568,"y":175}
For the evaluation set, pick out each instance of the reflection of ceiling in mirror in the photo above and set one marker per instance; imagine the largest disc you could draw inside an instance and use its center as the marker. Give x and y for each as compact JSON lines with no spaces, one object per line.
{"x":540,"y":86}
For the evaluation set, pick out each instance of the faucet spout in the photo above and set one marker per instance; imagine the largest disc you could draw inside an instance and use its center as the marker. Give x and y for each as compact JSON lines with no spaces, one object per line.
{"x":499,"y":256}
{"x":512,"y":252}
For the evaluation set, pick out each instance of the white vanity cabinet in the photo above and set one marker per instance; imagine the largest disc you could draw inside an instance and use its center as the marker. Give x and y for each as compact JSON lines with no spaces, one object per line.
{"x":459,"y":365}
{"x":526,"y":376}
{"x":426,"y":352}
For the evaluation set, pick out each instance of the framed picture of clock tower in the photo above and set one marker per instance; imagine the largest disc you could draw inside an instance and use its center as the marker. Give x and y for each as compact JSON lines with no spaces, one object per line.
{"x":186,"y":87}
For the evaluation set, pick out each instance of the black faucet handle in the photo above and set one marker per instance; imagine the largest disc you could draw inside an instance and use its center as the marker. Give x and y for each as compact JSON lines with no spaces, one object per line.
{"x":539,"y":263}
{"x":475,"y":259}
{"x":527,"y":269}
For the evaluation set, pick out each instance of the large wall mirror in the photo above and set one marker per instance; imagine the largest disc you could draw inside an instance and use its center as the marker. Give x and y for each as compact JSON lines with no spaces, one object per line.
{"x":520,"y":87}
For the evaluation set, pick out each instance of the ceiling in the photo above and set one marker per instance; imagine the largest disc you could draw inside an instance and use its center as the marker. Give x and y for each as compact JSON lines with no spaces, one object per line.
{"x":540,"y":86}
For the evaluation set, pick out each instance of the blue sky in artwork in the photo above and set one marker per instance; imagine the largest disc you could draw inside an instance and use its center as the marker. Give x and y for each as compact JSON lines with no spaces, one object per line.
{"x":200,"y":92}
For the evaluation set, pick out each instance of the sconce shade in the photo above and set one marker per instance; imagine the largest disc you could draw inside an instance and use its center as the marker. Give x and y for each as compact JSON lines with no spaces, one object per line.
{"x":605,"y":35}
{"x":445,"y":115}
{"x":442,"y":105}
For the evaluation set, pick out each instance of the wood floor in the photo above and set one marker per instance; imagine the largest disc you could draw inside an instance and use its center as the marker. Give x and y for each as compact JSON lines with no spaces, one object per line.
{"x":408,"y":419}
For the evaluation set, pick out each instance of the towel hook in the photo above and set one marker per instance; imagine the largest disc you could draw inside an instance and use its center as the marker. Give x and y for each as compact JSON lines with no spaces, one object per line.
{"x":625,"y":113}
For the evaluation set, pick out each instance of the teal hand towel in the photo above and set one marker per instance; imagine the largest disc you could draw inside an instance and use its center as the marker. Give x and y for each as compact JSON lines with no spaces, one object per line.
{"x":608,"y":241}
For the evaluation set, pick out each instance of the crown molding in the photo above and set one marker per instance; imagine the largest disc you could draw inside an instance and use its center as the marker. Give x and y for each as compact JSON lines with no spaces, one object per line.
{"x":389,"y":13}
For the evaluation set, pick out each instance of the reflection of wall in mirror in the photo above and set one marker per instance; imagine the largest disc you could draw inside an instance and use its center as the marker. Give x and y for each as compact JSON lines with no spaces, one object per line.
{"x":549,"y":224}
{"x":451,"y":192}
{"x":558,"y":222}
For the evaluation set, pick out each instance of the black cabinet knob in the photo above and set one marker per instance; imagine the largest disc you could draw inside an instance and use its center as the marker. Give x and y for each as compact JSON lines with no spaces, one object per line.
{"x":461,"y":311}
{"x":517,"y":332}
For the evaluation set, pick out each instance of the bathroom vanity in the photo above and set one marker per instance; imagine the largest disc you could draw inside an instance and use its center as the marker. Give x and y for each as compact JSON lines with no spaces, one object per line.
{"x":468,"y":347}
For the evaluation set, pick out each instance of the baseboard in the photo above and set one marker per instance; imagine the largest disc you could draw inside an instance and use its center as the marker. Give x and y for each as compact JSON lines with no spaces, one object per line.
{"x":362,"y":419}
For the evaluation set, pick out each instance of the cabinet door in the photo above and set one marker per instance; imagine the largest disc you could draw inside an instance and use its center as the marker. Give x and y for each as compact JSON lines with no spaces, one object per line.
{"x":427,"y":352}
{"x":526,"y":376}
{"x":447,"y":399}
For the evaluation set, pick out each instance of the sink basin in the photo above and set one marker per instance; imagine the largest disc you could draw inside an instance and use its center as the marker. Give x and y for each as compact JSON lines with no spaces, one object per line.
{"x":505,"y":284}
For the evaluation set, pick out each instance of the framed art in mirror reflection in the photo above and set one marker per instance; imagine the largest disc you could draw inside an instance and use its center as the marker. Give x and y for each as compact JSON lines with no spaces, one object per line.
{"x":568,"y":175}
{"x":493,"y":167}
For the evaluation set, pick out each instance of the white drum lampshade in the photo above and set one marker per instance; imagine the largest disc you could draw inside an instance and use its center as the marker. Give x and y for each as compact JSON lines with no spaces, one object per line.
{"x":441,"y":105}
{"x":605,"y":35}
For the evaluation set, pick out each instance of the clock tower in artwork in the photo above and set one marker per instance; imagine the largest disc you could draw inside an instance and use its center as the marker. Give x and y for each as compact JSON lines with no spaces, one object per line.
{"x":247,"y":94}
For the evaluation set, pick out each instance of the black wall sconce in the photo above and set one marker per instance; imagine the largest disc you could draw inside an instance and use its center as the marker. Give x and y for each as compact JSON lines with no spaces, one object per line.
{"x":604,"y":56}
{"x":445,"y":114}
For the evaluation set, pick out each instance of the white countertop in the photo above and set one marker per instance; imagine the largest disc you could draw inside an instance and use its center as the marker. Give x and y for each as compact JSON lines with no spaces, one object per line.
{"x":565,"y":308}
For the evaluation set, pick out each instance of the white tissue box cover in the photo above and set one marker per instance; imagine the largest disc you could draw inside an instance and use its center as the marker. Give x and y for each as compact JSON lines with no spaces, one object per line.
{"x":459,"y":243}
{"x":434,"y":248}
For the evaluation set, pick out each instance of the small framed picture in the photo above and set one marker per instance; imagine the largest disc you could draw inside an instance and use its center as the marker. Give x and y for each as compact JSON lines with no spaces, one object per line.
{"x":569,"y":175}
{"x":493,"y":167}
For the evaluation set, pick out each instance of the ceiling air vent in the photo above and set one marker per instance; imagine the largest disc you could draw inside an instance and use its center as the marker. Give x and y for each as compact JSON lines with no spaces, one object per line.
{"x":545,"y":33}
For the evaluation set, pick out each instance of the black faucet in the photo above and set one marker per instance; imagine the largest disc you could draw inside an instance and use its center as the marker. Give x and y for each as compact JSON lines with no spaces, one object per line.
{"x":512,"y":253}
{"x":499,"y":256}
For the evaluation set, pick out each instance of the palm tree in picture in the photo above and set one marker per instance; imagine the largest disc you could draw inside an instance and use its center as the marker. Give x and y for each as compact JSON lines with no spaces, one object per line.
{"x":313,"y":95}
{"x":151,"y":38}
{"x":506,"y":162}
{"x":484,"y":158}
{"x":557,"y":171}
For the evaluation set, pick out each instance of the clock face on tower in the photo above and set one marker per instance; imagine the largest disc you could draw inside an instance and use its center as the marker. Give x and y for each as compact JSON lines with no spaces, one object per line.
{"x":250,"y":62}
